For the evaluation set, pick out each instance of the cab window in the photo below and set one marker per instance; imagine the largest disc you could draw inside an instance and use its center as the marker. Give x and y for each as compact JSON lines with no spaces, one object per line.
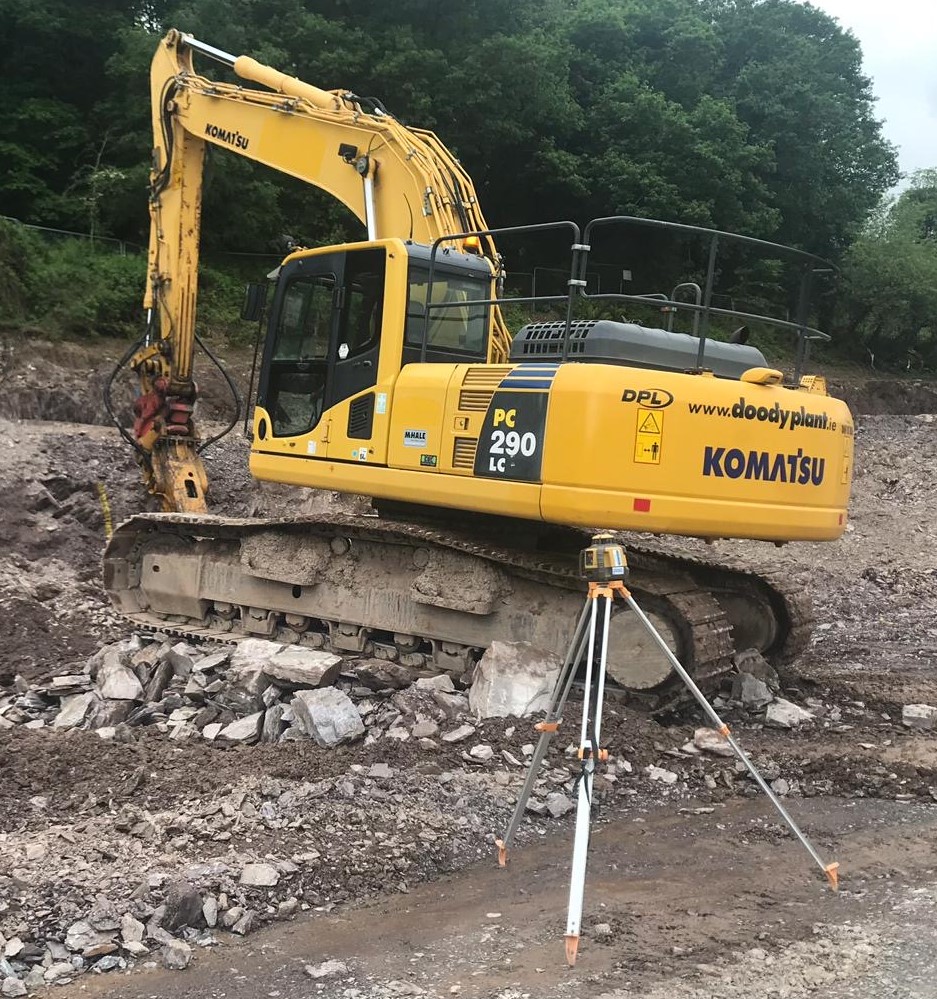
{"x":458,"y":328}
{"x":364,"y":302}
{"x":299,"y":364}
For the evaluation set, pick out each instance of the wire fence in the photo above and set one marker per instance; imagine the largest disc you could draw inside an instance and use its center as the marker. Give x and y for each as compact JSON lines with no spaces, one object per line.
{"x":540,"y":279}
{"x":123,"y":246}
{"x":120,"y":245}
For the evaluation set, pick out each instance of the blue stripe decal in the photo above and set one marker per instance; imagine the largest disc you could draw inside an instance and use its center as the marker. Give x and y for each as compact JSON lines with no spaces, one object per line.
{"x":531,"y":376}
{"x":525,"y":383}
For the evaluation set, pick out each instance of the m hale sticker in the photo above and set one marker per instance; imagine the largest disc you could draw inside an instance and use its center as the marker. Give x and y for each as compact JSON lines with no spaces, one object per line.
{"x":414,"y":438}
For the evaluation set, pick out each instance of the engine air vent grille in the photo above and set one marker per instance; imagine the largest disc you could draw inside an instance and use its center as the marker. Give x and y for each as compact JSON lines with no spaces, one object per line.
{"x":475,"y":400}
{"x":486,"y":375}
{"x":478,"y":386}
{"x":463,"y":452}
{"x":546,"y":339}
{"x":361,"y":417}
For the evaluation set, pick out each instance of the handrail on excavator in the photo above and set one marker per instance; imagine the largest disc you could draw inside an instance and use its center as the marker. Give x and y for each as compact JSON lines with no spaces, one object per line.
{"x":576,"y":285}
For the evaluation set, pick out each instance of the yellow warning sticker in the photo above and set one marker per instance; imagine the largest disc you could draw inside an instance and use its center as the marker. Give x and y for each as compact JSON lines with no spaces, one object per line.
{"x":649,"y":437}
{"x":649,"y":425}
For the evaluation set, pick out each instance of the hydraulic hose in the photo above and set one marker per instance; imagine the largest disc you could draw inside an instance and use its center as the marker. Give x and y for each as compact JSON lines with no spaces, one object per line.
{"x":108,"y":402}
{"x":235,"y":395}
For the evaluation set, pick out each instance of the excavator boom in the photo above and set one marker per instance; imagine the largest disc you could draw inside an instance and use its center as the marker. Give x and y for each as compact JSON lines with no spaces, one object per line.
{"x":397,"y":181}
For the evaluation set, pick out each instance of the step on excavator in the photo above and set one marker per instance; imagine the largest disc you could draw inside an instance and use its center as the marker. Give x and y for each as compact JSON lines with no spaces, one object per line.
{"x":388,"y":371}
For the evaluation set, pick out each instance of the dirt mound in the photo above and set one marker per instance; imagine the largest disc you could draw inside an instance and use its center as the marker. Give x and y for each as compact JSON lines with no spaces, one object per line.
{"x":58,"y":483}
{"x":886,"y":396}
{"x":65,"y":382}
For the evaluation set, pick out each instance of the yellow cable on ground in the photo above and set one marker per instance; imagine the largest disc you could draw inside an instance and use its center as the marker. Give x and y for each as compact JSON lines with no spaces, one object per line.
{"x":105,"y":509}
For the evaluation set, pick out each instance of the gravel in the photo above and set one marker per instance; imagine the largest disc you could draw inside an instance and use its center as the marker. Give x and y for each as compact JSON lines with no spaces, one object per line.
{"x":86,"y":821}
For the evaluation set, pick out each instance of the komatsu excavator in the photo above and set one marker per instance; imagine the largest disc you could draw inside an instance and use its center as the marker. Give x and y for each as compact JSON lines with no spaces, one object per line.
{"x":388,"y":371}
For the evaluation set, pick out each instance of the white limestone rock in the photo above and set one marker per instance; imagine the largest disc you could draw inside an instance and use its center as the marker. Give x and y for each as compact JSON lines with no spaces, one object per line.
{"x":296,"y":667}
{"x":513,"y":678}
{"x":119,"y":683}
{"x":786,"y":714}
{"x":328,"y":715}
{"x":74,"y":710}
{"x":919,"y":716}
{"x":246,"y":729}
{"x":260,"y":875}
{"x":711,"y":741}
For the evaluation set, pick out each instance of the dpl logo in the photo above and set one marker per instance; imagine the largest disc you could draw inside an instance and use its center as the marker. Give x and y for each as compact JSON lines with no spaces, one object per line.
{"x":649,"y":398}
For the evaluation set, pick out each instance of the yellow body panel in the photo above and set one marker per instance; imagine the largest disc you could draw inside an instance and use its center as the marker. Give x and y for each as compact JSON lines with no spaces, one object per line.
{"x":514,"y":499}
{"x":417,"y":420}
{"x":744,"y":464}
{"x":617,"y":447}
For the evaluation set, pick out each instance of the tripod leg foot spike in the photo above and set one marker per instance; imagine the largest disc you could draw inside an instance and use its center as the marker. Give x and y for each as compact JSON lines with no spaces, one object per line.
{"x":572,"y":948}
{"x":502,"y":853}
{"x":832,"y":875}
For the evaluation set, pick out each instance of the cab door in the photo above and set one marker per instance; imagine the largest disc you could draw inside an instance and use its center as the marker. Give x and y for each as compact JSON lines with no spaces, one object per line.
{"x":356,"y":347}
{"x":296,"y":374}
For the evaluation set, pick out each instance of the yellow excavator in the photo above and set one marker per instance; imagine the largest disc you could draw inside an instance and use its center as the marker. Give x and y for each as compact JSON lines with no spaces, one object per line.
{"x":388,"y":371}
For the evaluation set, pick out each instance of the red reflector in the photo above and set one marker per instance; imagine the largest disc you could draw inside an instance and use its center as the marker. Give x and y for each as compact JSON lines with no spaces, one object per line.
{"x":840,"y":518}
{"x":642,"y":505}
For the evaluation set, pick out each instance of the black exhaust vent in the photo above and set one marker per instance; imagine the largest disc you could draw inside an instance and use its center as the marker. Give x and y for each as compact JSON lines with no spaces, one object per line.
{"x":361,"y":417}
{"x":546,"y":339}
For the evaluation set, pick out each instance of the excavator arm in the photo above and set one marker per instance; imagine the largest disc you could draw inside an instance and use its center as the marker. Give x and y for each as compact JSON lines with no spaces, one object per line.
{"x":397,"y":181}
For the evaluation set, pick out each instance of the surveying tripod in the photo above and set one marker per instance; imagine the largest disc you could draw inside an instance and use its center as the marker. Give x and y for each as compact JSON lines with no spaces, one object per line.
{"x":604,"y":567}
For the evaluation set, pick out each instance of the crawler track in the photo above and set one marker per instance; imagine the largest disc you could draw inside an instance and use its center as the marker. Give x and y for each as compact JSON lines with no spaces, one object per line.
{"x":434,"y":598}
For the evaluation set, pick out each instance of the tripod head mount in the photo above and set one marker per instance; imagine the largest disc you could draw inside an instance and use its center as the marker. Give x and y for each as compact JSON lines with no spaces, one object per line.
{"x":604,"y":560}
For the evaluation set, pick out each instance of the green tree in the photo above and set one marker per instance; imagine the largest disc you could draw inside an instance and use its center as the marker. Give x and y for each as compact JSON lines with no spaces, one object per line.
{"x":889,"y":293}
{"x":796,"y":79}
{"x":751,"y":115}
{"x":51,"y":81}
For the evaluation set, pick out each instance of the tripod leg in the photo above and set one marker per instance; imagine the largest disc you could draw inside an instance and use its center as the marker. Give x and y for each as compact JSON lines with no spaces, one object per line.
{"x":561,"y":689}
{"x":831,"y":871}
{"x":588,"y":752}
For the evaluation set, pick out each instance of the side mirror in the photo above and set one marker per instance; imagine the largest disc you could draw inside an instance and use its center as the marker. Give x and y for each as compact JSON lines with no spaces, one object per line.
{"x":255,"y":301}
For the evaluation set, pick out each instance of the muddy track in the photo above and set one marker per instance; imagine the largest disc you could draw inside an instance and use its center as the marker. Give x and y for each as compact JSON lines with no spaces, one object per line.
{"x":683,"y":898}
{"x":690,"y":599}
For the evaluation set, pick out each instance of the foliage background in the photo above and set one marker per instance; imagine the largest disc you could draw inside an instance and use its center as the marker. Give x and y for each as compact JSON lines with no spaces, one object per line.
{"x":748,"y":115}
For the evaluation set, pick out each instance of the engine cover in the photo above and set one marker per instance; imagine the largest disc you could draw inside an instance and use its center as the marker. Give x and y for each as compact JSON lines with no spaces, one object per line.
{"x":633,"y":345}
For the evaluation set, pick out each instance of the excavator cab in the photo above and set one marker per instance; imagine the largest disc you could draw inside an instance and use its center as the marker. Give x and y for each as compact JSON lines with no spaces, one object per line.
{"x":324,"y":336}
{"x":346,"y":319}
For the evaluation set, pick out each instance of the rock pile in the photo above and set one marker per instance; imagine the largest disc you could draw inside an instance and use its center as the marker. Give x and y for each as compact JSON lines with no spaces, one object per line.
{"x":104,"y":892}
{"x":132,"y":882}
{"x":755,"y":688}
{"x":262,"y":691}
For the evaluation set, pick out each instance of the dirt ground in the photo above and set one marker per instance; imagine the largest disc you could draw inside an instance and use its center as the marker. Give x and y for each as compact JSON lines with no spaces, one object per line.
{"x":692,"y":902}
{"x":702,"y":891}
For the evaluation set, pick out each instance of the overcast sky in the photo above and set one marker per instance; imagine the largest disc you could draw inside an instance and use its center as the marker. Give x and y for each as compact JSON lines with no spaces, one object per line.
{"x":899,"y":50}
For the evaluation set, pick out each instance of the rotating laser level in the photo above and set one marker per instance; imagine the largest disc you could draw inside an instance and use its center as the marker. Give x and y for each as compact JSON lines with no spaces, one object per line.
{"x":604,"y":566}
{"x":603,"y":561}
